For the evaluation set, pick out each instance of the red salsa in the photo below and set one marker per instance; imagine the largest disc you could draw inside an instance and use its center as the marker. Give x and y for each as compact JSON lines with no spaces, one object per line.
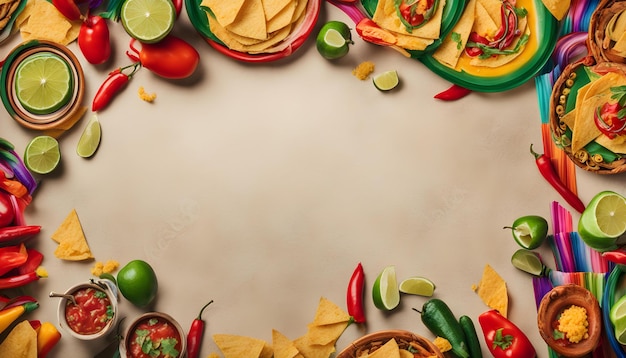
{"x":155,"y":338}
{"x":91,"y":313}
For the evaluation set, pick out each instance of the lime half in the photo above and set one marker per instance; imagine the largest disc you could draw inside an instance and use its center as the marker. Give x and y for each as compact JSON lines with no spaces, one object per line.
{"x":417,"y":286}
{"x":603,"y":221}
{"x":618,"y":311}
{"x":43,"y":83}
{"x":90,"y":138}
{"x":42,"y":154}
{"x":333,"y":40}
{"x":385,"y":293}
{"x":148,"y":20}
{"x":386,"y":81}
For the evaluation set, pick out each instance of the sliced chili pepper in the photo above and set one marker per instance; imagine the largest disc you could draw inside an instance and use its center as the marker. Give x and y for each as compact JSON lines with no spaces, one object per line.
{"x":114,"y":83}
{"x":547,"y":171}
{"x":19,"y":280}
{"x":354,"y":297}
{"x":34,"y":260}
{"x":11,"y":235}
{"x":67,"y":8}
{"x":194,"y":338}
{"x":617,"y":256}
{"x":453,"y":93}
{"x":369,"y":31}
{"x":12,"y":257}
{"x":13,"y":186}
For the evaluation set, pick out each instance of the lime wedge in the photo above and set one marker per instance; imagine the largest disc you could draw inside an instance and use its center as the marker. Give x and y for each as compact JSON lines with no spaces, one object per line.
{"x":385,"y":291}
{"x":386,"y":81}
{"x":528,"y":261}
{"x":417,"y":286}
{"x":43,"y":83}
{"x":90,"y":139}
{"x":617,"y":313}
{"x":148,"y":20}
{"x":42,"y":154}
{"x":603,"y":221}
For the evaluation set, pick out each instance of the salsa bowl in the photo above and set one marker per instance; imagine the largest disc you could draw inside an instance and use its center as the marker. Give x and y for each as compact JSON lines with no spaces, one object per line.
{"x":156,"y":331}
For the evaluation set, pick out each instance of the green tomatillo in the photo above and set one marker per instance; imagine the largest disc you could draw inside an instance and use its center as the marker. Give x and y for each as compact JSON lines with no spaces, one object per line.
{"x":529,"y":231}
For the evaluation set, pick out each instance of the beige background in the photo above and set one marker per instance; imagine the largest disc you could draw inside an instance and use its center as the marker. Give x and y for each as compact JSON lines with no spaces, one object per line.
{"x":262,"y":186}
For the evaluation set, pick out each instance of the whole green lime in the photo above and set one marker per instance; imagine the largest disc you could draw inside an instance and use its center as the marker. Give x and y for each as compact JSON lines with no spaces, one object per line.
{"x":137,"y":282}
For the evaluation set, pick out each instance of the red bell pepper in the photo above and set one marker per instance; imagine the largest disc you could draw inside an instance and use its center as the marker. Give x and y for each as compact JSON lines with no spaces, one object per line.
{"x":504,"y":339}
{"x":11,"y":235}
{"x":12,"y":257}
{"x":354,"y":297}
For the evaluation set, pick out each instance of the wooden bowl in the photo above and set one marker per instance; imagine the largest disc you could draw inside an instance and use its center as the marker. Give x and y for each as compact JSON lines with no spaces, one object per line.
{"x":601,"y":46}
{"x":554,"y":303}
{"x":377,"y":339}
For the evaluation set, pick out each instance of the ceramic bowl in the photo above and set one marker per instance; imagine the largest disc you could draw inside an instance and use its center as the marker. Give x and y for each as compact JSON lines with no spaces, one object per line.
{"x":377,"y":339}
{"x":66,"y":307}
{"x":554,"y":303}
{"x":147,"y":321}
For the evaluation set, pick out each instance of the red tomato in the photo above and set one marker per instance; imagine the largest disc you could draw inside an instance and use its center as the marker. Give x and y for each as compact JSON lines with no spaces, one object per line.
{"x":93,"y":40}
{"x":7,"y":214}
{"x":171,"y":57}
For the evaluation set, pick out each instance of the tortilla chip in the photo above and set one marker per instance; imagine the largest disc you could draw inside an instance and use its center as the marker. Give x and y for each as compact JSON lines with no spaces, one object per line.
{"x":310,"y":350}
{"x":48,"y":24}
{"x":329,"y":313}
{"x":386,"y":17}
{"x":494,"y":10}
{"x":283,"y":346}
{"x":326,"y":334}
{"x":283,"y":18}
{"x":21,"y":342}
{"x":271,"y":8}
{"x":483,"y":23}
{"x":250,"y":21}
{"x":452,"y":47}
{"x":234,"y":346}
{"x":225,"y":12}
{"x":387,"y":350}
{"x":71,"y":239}
{"x":492,"y":291}
{"x":558,"y":8}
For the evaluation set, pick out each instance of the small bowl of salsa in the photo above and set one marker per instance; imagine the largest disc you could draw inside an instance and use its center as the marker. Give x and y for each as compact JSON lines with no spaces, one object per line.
{"x":154,"y":335}
{"x":93,"y":313}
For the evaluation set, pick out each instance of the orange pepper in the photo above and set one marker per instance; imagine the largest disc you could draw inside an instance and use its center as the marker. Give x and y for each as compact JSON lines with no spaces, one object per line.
{"x":47,"y":337}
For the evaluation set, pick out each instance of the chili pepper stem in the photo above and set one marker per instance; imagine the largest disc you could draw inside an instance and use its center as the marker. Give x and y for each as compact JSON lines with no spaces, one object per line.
{"x":202,"y":309}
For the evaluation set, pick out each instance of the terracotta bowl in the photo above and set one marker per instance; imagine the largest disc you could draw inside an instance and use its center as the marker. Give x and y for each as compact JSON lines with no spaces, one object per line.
{"x":65,"y":304}
{"x":158,"y":318}
{"x":377,"y":339}
{"x":556,"y":301}
{"x":600,"y":46}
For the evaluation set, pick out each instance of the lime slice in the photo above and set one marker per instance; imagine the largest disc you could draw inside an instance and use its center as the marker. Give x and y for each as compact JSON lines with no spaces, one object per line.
{"x":603,"y":221}
{"x":43,"y":83}
{"x":386,"y":81}
{"x":148,"y":20}
{"x":333,"y":40}
{"x":42,"y":154}
{"x":385,"y":292}
{"x":528,"y":261}
{"x":90,"y":139}
{"x":417,"y":286}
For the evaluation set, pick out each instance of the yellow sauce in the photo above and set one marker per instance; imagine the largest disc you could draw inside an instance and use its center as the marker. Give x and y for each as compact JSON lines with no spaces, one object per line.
{"x":527,"y":53}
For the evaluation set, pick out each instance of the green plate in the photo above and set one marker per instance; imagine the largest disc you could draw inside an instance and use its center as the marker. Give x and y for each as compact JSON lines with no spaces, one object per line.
{"x":452,"y":11}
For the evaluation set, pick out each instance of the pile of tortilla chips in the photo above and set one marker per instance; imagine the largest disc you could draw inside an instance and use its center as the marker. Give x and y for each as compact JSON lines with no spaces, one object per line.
{"x":483,"y":17}
{"x":254,"y":26}
{"x":392,"y":350}
{"x":40,"y":20}
{"x":7,"y":9}
{"x":581,"y":119}
{"x":319,"y":342}
{"x":387,"y":18}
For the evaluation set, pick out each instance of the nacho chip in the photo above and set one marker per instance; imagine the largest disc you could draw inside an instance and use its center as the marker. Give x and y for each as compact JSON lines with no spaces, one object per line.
{"x":386,"y":17}
{"x":224,"y":11}
{"x":21,"y":342}
{"x":234,"y":346}
{"x":283,"y":346}
{"x":329,"y":313}
{"x":558,"y":8}
{"x":483,"y":23}
{"x":492,"y":290}
{"x":271,"y":8}
{"x":48,"y":23}
{"x":283,"y":19}
{"x":387,"y":350}
{"x":452,"y":47}
{"x":71,"y":239}
{"x":494,"y":10}
{"x":311,"y":350}
{"x":250,"y":21}
{"x":326,"y":334}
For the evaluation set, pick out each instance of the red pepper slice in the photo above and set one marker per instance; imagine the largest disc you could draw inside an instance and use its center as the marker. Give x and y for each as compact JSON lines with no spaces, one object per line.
{"x":504,"y":339}
{"x":369,"y":31}
{"x":34,"y":260}
{"x":354,"y":297}
{"x":194,"y":338}
{"x":12,"y":257}
{"x":18,"y":301}
{"x":546,"y":169}
{"x":617,"y":256}
{"x":67,"y":8}
{"x":11,"y":235}
{"x":453,"y":93}
{"x":18,"y":280}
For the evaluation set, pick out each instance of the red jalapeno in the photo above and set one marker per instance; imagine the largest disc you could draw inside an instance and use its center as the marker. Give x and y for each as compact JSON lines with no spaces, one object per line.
{"x":453,"y":93}
{"x":194,"y":338}
{"x":354,"y":297}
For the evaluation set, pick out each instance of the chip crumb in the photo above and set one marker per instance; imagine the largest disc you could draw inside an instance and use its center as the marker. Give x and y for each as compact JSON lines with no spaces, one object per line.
{"x":100,"y":267}
{"x":145,"y":96}
{"x":363,"y":70}
{"x":443,"y":344}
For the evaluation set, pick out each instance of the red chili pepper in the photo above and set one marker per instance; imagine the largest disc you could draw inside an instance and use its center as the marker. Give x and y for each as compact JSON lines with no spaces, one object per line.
{"x":33,"y":261}
{"x":453,"y":93}
{"x":617,"y":256}
{"x":354,"y":297}
{"x":67,"y":8}
{"x":194,"y":338}
{"x":19,"y":280}
{"x":11,"y":235}
{"x":178,"y":6}
{"x":93,"y":40}
{"x":18,"y":301}
{"x":35,"y":323}
{"x":12,"y":257}
{"x":547,"y":171}
{"x":504,"y":339}
{"x":114,"y":83}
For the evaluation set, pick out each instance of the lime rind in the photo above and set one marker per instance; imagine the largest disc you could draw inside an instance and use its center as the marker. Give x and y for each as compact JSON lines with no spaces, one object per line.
{"x":386,"y":81}
{"x":42,"y":154}
{"x":148,"y":21}
{"x":420,"y":286}
{"x":90,"y":138}
{"x":528,"y":261}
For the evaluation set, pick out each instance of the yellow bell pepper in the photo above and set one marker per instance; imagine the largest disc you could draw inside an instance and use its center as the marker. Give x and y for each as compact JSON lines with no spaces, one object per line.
{"x":47,"y":337}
